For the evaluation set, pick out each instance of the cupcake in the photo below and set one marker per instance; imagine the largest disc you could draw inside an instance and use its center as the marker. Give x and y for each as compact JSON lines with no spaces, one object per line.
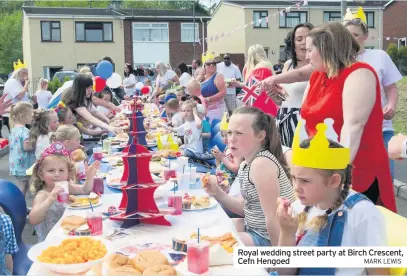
{"x":186,"y":204}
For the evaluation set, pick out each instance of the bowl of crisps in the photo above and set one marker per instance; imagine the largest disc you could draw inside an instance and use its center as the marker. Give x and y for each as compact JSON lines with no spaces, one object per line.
{"x":71,"y":255}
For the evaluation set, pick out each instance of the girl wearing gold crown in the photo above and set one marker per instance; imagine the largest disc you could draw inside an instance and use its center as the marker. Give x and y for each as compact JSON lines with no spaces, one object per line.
{"x":386,"y":70}
{"x":327,"y":212}
{"x":263,"y":176}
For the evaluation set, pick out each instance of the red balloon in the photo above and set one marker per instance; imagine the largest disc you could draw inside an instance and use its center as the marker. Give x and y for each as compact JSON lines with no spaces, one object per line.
{"x":145,"y":90}
{"x":98,"y":84}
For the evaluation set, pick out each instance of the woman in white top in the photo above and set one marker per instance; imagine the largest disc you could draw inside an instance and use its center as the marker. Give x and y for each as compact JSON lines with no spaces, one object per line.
{"x":129,"y":82}
{"x":43,"y":94}
{"x":16,"y":88}
{"x":183,"y":74}
{"x":388,"y":75}
{"x":289,"y":113}
{"x":164,"y":79}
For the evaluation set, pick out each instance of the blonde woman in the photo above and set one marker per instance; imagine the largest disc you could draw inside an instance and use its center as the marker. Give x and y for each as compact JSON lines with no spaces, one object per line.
{"x":43,"y":95}
{"x":164,"y":79}
{"x":257,"y":68}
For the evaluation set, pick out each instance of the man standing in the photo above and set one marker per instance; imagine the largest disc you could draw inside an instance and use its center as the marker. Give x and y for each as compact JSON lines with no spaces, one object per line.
{"x":229,"y":71}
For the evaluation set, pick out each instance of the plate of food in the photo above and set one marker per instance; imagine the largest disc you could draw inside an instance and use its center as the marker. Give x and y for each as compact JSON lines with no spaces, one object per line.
{"x":73,"y":255}
{"x":74,"y":225}
{"x":113,"y":160}
{"x":121,"y":137}
{"x":83,"y":201}
{"x":195,"y":203}
{"x":114,"y":182}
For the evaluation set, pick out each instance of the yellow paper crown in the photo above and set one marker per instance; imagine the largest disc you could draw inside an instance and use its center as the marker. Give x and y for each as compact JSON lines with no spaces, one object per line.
{"x":319,"y":155}
{"x":224,"y":123}
{"x":360,"y":14}
{"x":18,"y":65}
{"x":206,"y":56}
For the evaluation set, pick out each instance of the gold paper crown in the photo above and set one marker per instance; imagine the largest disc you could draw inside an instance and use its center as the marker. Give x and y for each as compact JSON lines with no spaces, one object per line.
{"x":360,"y":14}
{"x":224,"y":123}
{"x":18,"y":65}
{"x":319,"y":155}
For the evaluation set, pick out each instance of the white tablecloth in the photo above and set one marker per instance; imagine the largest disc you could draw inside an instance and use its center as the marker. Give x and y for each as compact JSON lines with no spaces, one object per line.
{"x":209,"y":221}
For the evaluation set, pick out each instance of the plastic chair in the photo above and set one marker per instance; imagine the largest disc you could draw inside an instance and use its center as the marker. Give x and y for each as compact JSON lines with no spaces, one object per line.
{"x":396,"y":226}
{"x":217,"y":140}
{"x":215,"y":127}
{"x":13,"y":203}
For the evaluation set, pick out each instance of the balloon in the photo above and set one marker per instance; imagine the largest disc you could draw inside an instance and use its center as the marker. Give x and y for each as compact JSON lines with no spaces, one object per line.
{"x":145,"y":90}
{"x":98,"y":84}
{"x":114,"y":81}
{"x":139,"y":85}
{"x":104,"y":69}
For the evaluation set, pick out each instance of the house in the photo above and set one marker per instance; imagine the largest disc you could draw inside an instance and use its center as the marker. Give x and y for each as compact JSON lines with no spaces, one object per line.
{"x":69,"y":38}
{"x":394,"y":23}
{"x":267,"y":23}
{"x":165,"y":35}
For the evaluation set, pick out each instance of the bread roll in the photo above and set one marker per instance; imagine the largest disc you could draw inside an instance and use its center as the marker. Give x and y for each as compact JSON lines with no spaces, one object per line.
{"x":72,"y":222}
{"x":78,"y":155}
{"x":160,"y":270}
{"x":145,"y":259}
{"x":121,"y":265}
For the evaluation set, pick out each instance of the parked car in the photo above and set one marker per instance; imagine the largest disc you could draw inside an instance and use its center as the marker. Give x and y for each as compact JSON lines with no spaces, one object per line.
{"x":2,"y":82}
{"x":61,"y":75}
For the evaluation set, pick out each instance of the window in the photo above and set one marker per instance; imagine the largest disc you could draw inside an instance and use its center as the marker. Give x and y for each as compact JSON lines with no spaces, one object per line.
{"x":51,"y":31}
{"x":370,"y":47}
{"x":267,"y":51}
{"x":187,"y":32}
{"x":332,"y":16}
{"x":94,"y":31}
{"x":257,"y":15}
{"x":370,"y":19}
{"x":283,"y":54}
{"x":155,"y":32}
{"x":290,"y":19}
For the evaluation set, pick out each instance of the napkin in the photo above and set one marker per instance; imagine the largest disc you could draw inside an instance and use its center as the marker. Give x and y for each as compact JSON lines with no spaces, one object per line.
{"x":219,"y":256}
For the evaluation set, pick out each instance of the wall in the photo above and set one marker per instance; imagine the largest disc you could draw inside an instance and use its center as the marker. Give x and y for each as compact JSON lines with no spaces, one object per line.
{"x":394,"y":22}
{"x":68,"y":53}
{"x":27,"y":46}
{"x":225,"y":19}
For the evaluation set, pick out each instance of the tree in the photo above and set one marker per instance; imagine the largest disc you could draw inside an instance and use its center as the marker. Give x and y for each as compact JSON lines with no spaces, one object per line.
{"x":399,"y":57}
{"x":165,"y":5}
{"x":10,"y":41}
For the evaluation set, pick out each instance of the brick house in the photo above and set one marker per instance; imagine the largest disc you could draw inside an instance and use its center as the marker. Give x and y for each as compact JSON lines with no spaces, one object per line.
{"x":165,"y":35}
{"x":394,"y":23}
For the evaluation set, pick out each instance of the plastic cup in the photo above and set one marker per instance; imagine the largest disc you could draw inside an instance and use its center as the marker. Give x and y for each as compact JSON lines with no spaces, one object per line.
{"x":107,"y":146}
{"x":168,"y":173}
{"x":182,"y":162}
{"x":97,"y":154}
{"x":63,"y":197}
{"x":177,"y":204}
{"x":183,"y":180}
{"x":192,"y":172}
{"x":98,"y":185}
{"x":94,"y":220}
{"x":198,"y":257}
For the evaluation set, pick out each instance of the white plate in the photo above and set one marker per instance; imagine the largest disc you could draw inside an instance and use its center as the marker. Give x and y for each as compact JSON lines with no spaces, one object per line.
{"x":212,"y":204}
{"x":37,"y":249}
{"x":84,"y":207}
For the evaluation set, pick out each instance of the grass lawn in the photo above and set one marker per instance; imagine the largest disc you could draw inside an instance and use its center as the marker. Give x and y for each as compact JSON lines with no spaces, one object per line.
{"x":400,"y":120}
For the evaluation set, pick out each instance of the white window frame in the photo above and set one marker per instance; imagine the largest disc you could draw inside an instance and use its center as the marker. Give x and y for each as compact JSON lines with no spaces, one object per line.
{"x":400,"y":40}
{"x":190,"y":28}
{"x":150,"y":26}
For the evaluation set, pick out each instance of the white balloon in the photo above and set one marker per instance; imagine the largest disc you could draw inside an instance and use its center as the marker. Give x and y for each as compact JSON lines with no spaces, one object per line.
{"x":114,"y":81}
{"x":139,"y":85}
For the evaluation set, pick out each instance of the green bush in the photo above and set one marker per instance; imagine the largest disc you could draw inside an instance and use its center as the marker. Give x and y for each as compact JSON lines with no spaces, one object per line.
{"x":399,"y":57}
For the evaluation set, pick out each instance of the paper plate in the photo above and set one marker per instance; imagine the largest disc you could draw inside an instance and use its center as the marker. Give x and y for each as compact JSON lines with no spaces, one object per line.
{"x":85,"y":206}
{"x":212,"y":204}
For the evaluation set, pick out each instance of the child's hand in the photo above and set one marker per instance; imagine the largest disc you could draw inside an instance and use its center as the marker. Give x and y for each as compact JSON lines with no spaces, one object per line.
{"x":92,"y":169}
{"x":54,"y":193}
{"x":286,"y":217}
{"x":210,"y":185}
{"x":218,"y":154}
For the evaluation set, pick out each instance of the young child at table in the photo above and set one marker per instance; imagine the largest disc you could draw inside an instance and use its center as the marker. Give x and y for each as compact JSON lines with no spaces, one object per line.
{"x":8,"y":245}
{"x":172,"y":106}
{"x":225,"y":161}
{"x":105,"y":95}
{"x":45,"y":122}
{"x":194,"y":89}
{"x":65,"y":114}
{"x":69,"y":136}
{"x":263,"y":177}
{"x":21,"y":156}
{"x":53,"y":166}
{"x":192,"y":129}
{"x":327,"y":212}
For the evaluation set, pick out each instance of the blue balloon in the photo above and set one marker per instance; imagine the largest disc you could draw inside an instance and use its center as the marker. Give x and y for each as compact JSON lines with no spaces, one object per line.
{"x":104,"y":69}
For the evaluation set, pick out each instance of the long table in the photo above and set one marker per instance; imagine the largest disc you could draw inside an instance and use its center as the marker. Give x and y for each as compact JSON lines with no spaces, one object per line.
{"x":210,"y":220}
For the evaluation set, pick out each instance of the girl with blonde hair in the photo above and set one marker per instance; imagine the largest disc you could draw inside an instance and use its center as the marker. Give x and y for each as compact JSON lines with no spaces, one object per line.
{"x":257,"y":68}
{"x":43,"y":95}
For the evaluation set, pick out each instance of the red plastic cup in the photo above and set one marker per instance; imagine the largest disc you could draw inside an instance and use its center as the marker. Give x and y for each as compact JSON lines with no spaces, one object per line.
{"x":97,"y":154}
{"x":94,"y":220}
{"x":98,"y":185}
{"x":63,"y":197}
{"x":177,"y":204}
{"x":168,"y":173}
{"x":198,"y":257}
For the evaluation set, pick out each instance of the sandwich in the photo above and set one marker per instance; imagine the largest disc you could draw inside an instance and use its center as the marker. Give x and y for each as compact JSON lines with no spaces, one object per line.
{"x":75,"y":225}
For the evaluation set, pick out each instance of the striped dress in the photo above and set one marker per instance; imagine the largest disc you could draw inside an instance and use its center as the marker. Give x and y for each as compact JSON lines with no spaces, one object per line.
{"x":253,"y":213}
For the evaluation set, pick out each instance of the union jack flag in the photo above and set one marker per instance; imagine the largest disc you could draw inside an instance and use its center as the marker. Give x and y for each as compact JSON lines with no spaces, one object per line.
{"x":249,"y":93}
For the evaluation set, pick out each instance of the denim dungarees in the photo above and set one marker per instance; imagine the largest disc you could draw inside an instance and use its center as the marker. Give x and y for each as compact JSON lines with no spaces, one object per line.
{"x":330,"y":235}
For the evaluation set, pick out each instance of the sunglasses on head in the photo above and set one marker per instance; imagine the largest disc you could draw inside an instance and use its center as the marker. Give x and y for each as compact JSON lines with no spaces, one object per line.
{"x":211,"y":64}
{"x":189,"y":97}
